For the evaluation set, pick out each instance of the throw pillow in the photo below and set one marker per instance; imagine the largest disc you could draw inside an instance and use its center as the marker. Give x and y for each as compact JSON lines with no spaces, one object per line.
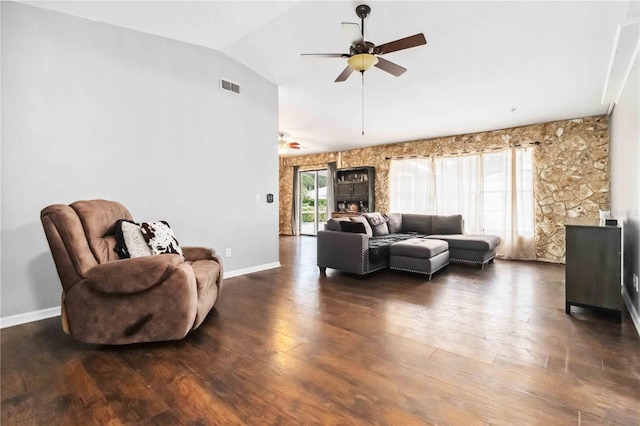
{"x":394,"y":222}
{"x":378,"y":223}
{"x":129,"y":240}
{"x":365,"y":222}
{"x":160,"y":237}
{"x":355,"y":227}
{"x":334,"y":223}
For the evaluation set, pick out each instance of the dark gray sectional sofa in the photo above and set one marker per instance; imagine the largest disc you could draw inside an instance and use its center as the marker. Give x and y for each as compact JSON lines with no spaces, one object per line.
{"x":365,"y":248}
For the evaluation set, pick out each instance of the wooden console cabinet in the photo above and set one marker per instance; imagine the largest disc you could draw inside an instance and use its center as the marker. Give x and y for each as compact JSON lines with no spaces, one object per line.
{"x":593,"y":267}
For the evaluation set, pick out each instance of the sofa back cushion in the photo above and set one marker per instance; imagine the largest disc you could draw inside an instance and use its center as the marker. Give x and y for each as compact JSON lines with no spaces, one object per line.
{"x":394,"y":222}
{"x":364,"y":220}
{"x":334,"y":223}
{"x":443,"y":225}
{"x":420,"y":223}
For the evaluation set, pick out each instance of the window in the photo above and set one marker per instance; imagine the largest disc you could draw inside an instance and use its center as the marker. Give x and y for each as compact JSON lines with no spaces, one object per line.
{"x":493,"y":192}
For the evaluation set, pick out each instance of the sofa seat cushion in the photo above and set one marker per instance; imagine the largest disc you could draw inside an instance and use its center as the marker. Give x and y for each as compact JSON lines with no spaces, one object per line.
{"x":419,"y":247}
{"x":469,"y":242}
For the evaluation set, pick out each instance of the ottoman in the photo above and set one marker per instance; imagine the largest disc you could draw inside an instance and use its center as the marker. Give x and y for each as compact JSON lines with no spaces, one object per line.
{"x":476,"y":249}
{"x":424,"y":256}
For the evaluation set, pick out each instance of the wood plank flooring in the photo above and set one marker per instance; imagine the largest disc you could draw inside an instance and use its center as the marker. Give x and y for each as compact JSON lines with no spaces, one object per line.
{"x":290,"y":346}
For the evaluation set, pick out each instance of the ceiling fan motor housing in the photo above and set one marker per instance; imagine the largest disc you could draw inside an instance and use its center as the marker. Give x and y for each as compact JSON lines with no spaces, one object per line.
{"x":367,"y":48}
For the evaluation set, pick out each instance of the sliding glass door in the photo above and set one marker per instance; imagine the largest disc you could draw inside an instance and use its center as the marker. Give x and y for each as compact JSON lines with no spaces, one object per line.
{"x":313,"y":200}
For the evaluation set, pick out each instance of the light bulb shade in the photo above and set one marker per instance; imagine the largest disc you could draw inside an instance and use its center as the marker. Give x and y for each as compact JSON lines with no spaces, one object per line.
{"x":283,"y":147}
{"x":362,"y":62}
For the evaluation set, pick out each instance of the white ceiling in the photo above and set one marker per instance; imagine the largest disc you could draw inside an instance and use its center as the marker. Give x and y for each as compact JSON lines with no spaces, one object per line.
{"x":548,"y":60}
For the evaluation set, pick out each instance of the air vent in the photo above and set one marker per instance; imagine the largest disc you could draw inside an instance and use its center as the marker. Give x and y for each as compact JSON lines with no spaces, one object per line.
{"x":229,"y":86}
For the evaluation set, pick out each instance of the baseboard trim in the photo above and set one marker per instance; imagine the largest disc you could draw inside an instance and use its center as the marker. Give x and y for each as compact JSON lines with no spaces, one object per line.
{"x":245,"y":271}
{"x":12,"y":320}
{"x":635,"y":317}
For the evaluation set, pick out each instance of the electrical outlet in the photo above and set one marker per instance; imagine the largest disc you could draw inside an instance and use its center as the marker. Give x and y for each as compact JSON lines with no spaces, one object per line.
{"x":635,"y":282}
{"x":227,"y":252}
{"x":257,"y":198}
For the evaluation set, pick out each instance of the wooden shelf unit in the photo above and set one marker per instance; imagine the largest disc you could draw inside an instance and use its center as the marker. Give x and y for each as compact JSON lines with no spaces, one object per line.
{"x":355,"y":190}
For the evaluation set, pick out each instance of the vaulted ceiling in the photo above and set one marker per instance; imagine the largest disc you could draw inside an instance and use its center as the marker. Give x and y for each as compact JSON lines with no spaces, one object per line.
{"x":486,"y":65}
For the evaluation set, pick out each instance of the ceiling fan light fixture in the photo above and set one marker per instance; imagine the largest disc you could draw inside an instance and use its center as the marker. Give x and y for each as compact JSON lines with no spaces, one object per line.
{"x":362,"y":62}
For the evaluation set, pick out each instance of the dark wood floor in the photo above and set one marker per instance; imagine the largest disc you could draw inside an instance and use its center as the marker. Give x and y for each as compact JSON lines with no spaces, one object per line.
{"x":289,"y":346}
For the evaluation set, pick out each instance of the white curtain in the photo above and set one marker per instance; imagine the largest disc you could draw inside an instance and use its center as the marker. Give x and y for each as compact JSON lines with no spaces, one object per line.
{"x":493,"y":191}
{"x":295,"y":202}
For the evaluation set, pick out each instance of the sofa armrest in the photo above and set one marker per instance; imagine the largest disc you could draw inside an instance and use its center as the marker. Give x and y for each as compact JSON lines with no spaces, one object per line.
{"x":192,"y":254}
{"x":133,"y":275}
{"x":344,"y":251}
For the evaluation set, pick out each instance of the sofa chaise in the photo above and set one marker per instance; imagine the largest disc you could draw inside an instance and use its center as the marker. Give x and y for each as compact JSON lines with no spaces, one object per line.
{"x":412,"y":242}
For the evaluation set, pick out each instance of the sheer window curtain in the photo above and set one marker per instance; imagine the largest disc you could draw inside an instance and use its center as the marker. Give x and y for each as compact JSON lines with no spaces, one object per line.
{"x":295,"y":202}
{"x":331,"y":197}
{"x":493,"y":192}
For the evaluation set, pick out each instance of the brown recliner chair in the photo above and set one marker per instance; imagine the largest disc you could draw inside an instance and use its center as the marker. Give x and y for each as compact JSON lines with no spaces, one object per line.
{"x":108,"y":300}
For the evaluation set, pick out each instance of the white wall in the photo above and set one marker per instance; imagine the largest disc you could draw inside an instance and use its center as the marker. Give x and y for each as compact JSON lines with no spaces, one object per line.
{"x":625,"y":181}
{"x":91,"y":110}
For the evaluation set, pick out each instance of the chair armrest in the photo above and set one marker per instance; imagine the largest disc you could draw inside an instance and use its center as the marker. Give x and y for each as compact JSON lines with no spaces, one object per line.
{"x":198,"y":253}
{"x":133,"y":275}
{"x":194,"y":254}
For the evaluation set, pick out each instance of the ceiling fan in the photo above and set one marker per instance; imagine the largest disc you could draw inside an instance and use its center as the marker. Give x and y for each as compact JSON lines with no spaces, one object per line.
{"x":363,"y":54}
{"x":284,"y":146}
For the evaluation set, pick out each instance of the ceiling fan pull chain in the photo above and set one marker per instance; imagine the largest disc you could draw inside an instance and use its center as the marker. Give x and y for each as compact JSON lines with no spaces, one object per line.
{"x":362,"y":72}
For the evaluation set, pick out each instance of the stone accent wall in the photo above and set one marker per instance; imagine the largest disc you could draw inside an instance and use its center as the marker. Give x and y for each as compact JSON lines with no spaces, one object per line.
{"x":571,"y":171}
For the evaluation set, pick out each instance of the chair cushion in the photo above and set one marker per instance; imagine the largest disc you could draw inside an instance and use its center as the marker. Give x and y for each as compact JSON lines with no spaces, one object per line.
{"x":98,"y":218}
{"x":418,"y":247}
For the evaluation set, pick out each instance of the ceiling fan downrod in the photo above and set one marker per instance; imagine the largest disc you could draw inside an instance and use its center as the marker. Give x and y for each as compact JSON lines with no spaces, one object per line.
{"x":362,"y":11}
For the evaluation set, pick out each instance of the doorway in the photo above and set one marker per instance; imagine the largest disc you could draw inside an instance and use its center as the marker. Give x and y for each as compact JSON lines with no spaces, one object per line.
{"x":313,"y":201}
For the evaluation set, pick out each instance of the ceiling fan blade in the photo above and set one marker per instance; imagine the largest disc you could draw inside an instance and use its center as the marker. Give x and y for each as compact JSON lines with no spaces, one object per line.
{"x":324,"y":55}
{"x":344,"y":74}
{"x":401,"y":44}
{"x":390,"y":67}
{"x":352,"y":33}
